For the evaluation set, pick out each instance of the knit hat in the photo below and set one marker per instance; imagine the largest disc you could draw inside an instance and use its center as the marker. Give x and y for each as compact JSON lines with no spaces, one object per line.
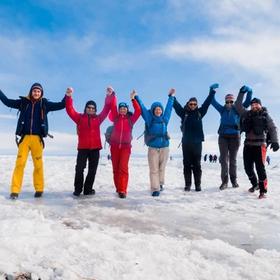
{"x":38,"y":86}
{"x":256,"y":100}
{"x":91,"y":103}
{"x":229,"y":97}
{"x":192,"y":99}
{"x":123,"y":104}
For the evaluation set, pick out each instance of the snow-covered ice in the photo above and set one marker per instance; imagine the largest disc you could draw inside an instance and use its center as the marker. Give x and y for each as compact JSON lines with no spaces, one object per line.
{"x":213,"y":234}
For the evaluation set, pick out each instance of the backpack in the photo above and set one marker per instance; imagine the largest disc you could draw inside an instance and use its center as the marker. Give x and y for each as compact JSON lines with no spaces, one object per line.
{"x":109,"y":129}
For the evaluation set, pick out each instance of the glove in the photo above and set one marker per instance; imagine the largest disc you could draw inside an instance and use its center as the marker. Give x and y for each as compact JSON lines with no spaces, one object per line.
{"x":245,"y":89}
{"x":213,"y":87}
{"x":274,"y":146}
{"x":249,"y":89}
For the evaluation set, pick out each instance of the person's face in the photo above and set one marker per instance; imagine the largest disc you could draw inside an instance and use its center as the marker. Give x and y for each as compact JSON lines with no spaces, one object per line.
{"x":192,"y":105}
{"x":90,"y":110}
{"x":158,"y":111}
{"x":255,"y":107}
{"x":123,"y":110}
{"x":36,"y":93}
{"x":229,"y":103}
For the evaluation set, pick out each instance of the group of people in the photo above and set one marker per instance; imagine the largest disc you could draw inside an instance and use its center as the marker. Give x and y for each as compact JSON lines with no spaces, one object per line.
{"x":260,"y":132}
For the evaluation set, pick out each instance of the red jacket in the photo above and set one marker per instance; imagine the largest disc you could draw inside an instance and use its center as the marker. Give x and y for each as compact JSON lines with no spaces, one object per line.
{"x":122,"y":133}
{"x":88,"y":126}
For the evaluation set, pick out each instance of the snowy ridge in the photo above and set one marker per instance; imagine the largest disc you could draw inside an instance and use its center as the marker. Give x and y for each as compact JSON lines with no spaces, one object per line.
{"x":209,"y":235}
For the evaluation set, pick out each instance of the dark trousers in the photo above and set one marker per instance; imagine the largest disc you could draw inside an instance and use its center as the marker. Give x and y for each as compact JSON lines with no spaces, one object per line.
{"x":84,"y":155}
{"x":191,"y":162}
{"x":228,"y":147}
{"x":255,"y":155}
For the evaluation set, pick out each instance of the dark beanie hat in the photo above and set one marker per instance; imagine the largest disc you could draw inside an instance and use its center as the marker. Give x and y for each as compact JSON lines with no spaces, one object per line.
{"x":92,"y":103}
{"x":256,"y":100}
{"x":38,"y":86}
{"x":192,"y":99}
{"x":123,"y":104}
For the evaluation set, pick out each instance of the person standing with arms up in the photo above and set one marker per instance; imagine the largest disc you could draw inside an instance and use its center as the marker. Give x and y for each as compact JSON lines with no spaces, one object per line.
{"x":157,"y":139}
{"x":229,"y":137}
{"x":257,"y":124}
{"x":32,"y":127}
{"x":89,"y":140}
{"x":120,"y":141}
{"x":192,"y":137}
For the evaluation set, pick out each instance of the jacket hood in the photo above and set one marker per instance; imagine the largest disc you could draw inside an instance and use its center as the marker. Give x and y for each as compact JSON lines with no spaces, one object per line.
{"x":154,"y":105}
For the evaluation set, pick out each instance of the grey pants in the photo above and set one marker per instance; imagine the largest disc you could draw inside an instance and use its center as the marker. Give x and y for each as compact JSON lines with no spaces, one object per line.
{"x":157,"y":162}
{"x":228,"y":152}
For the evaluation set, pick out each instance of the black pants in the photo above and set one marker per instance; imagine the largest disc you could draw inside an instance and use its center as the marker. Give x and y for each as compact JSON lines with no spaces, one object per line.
{"x":191,"y":161}
{"x":93,"y":158}
{"x":255,"y":155}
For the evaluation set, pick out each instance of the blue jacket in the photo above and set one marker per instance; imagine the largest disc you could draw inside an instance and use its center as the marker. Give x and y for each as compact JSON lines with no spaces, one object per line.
{"x":32,"y":115}
{"x":230,"y":119}
{"x":191,"y":121}
{"x":156,"y":127}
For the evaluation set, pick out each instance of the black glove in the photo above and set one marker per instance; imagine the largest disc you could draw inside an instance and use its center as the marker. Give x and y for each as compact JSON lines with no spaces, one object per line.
{"x":274,"y":146}
{"x":243,"y":89}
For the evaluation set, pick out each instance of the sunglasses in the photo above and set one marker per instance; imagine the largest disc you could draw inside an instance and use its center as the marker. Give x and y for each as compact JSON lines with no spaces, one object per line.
{"x":91,"y":107}
{"x":192,"y":104}
{"x":229,"y":102}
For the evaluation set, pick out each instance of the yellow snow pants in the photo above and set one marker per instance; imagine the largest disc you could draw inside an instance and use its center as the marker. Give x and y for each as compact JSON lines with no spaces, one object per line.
{"x":34,"y":144}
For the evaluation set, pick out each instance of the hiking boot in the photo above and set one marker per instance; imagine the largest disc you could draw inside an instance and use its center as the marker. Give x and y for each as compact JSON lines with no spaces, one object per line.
{"x":235,"y":185}
{"x":38,"y":194}
{"x":254,"y":188}
{"x":122,"y":195}
{"x":262,"y":195}
{"x":13,"y":195}
{"x":91,"y":192}
{"x":155,"y":193}
{"x":187,"y":188}
{"x":198,"y":188}
{"x":223,"y":186}
{"x":76,"y":193}
{"x":161,"y":187}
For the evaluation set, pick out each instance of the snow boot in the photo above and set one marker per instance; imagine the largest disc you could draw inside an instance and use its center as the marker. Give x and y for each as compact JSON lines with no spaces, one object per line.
{"x":38,"y":194}
{"x":91,"y":192}
{"x":122,"y":195}
{"x":187,"y":188}
{"x":76,"y":193}
{"x":155,"y":193}
{"x":253,"y":188}
{"x":161,"y":187}
{"x":262,"y":195}
{"x":198,"y":188}
{"x":235,"y":185}
{"x":13,"y":196}
{"x":223,"y":186}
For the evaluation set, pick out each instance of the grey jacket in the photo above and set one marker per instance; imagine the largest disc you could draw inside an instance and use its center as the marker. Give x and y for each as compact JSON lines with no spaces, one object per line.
{"x":251,"y":138}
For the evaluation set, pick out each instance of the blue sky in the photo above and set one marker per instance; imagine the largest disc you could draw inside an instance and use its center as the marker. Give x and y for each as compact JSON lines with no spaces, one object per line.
{"x":147,"y":45}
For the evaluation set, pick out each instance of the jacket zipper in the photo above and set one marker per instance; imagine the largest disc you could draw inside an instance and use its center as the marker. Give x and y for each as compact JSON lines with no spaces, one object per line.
{"x":31,"y":122}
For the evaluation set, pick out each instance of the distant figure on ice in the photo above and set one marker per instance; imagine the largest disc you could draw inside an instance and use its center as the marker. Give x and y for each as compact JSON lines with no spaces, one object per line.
{"x":32,"y":127}
{"x":210,"y":158}
{"x":215,"y":158}
{"x":192,"y":137}
{"x":120,"y":141}
{"x":89,"y":140}
{"x":157,"y":139}
{"x":205,"y":157}
{"x":229,"y":137}
{"x":268,"y":160}
{"x":256,"y":123}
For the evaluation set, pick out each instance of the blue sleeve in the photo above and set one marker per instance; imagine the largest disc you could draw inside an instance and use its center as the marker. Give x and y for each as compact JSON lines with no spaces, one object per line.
{"x":179,"y":109}
{"x":168,"y":109}
{"x":248,"y":99}
{"x":12,"y":103}
{"x":144,"y":112}
{"x":217,"y":105}
{"x":204,"y":107}
{"x":55,"y":106}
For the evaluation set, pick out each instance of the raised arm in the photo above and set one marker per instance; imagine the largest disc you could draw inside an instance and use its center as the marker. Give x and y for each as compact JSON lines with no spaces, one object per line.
{"x":72,"y":113}
{"x":12,"y":103}
{"x":114,"y":111}
{"x":238,"y":103}
{"x":178,"y":108}
{"x":55,"y":106}
{"x":110,"y":98}
{"x":169,"y":106}
{"x":204,"y":107}
{"x":217,"y":105}
{"x":248,"y":98}
{"x":144,"y":112}
{"x":136,"y":106}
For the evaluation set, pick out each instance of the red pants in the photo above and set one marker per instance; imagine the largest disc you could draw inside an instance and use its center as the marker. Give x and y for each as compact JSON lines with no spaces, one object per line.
{"x":120,"y":158}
